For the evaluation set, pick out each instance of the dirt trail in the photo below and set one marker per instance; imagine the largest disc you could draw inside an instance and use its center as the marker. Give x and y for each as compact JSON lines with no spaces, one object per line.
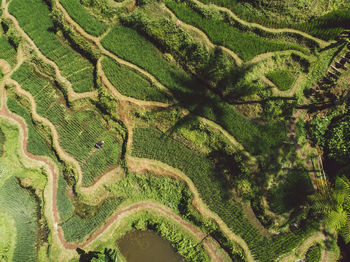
{"x":97,"y":42}
{"x":206,"y":39}
{"x":321,"y":42}
{"x":121,"y":97}
{"x":139,"y":164}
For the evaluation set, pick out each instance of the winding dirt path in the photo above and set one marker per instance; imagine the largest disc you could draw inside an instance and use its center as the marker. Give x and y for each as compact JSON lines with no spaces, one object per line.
{"x":320,"y":42}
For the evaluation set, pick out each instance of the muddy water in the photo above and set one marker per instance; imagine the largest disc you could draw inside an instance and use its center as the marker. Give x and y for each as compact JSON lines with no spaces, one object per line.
{"x":147,"y":246}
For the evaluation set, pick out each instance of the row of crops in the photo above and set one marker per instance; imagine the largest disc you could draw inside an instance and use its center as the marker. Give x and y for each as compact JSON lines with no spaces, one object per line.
{"x":78,"y":131}
{"x":90,"y":24}
{"x":21,"y":205}
{"x":130,"y":83}
{"x":246,"y":44}
{"x":34,"y":18}
{"x":150,"y":143}
{"x":326,"y":27}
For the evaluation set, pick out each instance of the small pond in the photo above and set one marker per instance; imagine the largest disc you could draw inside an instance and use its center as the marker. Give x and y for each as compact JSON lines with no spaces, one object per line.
{"x":147,"y":246}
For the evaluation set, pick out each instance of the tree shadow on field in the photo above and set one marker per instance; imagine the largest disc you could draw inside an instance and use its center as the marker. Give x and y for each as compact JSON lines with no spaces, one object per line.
{"x":86,"y":257}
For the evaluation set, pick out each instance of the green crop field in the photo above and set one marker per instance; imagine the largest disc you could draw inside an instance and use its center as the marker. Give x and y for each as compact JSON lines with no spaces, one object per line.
{"x":246,"y":44}
{"x":130,"y":83}
{"x":90,"y":24}
{"x":220,"y":125}
{"x":34,"y":18}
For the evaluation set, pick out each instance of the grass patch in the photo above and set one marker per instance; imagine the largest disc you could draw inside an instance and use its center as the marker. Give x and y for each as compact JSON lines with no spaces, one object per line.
{"x":283,"y":79}
{"x":89,"y":23}
{"x":130,"y":83}
{"x":34,"y":17}
{"x":7,"y":52}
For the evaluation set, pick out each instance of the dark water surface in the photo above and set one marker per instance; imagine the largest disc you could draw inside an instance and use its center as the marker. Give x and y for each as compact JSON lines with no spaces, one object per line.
{"x":147,"y":246}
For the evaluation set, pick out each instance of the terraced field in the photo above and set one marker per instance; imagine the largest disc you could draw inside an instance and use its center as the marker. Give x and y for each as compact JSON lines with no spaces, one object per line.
{"x":172,"y":116}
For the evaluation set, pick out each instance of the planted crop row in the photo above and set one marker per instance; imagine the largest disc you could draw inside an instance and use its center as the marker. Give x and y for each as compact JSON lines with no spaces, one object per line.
{"x":149,"y":143}
{"x":7,"y":52}
{"x":129,"y":45}
{"x":34,"y":17}
{"x":130,"y":83}
{"x":246,"y":44}
{"x":21,"y":205}
{"x":89,"y":23}
{"x":77,"y":228}
{"x":78,"y":131}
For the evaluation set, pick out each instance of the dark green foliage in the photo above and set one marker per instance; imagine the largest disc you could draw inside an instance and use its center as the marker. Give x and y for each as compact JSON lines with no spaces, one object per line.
{"x":291,"y":193}
{"x":313,"y":254}
{"x":21,"y":205}
{"x":283,"y":79}
{"x":246,"y":44}
{"x":34,"y":18}
{"x":338,"y":144}
{"x":149,"y":143}
{"x":130,"y":83}
{"x":89,"y":23}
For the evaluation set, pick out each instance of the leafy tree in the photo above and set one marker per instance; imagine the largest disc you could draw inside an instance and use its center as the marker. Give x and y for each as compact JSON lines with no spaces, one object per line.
{"x":334,"y":204}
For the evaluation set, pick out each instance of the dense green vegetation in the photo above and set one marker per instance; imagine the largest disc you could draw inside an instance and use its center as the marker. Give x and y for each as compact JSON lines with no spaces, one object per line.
{"x":283,"y":79}
{"x":319,"y":18}
{"x":2,"y":142}
{"x":34,"y":18}
{"x":90,"y":24}
{"x":246,"y":44}
{"x":313,"y":254}
{"x":7,"y":52}
{"x":129,"y":45}
{"x":130,"y":83}
{"x":149,"y":143}
{"x":79,"y":132}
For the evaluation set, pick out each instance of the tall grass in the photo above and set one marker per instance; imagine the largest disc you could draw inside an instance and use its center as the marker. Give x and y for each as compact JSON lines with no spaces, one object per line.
{"x":89,"y":23}
{"x":34,"y":17}
{"x":246,"y":44}
{"x":130,"y":83}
